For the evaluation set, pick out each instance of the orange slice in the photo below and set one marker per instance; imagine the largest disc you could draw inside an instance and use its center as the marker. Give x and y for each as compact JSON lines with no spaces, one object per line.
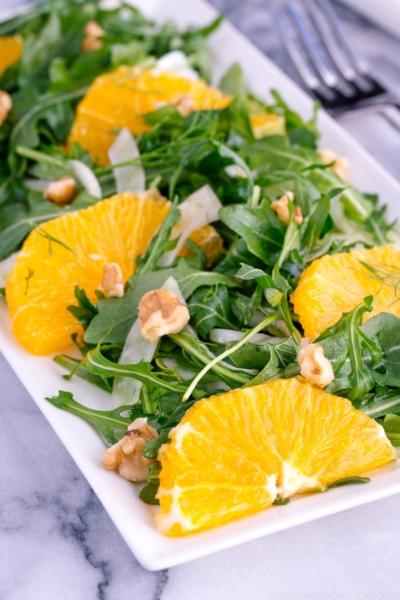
{"x":121,"y":98}
{"x":335,"y":284}
{"x":41,"y":284}
{"x":265,"y":123}
{"x":232,"y":455}
{"x":10,"y":51}
{"x":209,"y":241}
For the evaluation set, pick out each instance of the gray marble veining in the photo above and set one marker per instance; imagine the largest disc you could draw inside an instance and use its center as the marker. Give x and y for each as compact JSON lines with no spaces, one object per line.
{"x":56,"y":540}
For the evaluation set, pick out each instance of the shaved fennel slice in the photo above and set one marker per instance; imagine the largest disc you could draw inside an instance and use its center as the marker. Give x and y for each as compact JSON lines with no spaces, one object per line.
{"x":225,"y":336}
{"x":87,"y":178}
{"x":171,"y":363}
{"x":130,"y":178}
{"x":199,"y":209}
{"x":6,"y":266}
{"x":127,"y":390}
{"x":177,"y":62}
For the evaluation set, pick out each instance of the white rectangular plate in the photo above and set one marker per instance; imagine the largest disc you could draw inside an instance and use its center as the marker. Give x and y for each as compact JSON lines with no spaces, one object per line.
{"x":42,"y":377}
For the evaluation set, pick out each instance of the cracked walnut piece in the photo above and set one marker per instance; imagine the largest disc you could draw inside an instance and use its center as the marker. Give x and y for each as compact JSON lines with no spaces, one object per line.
{"x":340,"y":166}
{"x":281,"y":207}
{"x":61,"y":192}
{"x":160,"y":313}
{"x":183,"y":103}
{"x":314,"y":366}
{"x":5,"y":106}
{"x":112,"y":285}
{"x":93,"y":32}
{"x":126,"y":455}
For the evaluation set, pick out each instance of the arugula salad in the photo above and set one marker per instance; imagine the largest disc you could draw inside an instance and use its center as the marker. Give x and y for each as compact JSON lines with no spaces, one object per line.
{"x":171,"y":243}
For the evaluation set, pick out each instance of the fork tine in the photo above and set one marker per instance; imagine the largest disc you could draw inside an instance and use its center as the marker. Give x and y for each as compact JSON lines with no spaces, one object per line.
{"x":325,"y":32}
{"x":294,"y":49}
{"x":357,"y":60}
{"x":336,"y":42}
{"x":314,"y":51}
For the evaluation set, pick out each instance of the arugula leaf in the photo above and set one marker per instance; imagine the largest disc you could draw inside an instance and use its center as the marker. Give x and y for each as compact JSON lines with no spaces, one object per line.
{"x":38,"y":48}
{"x":270,"y":372}
{"x":384,"y":331}
{"x":391,"y":425}
{"x":237,"y":113}
{"x":302,"y":133}
{"x":360,"y":378}
{"x":199,"y":352}
{"x":75,"y":367}
{"x":237,"y":254}
{"x":157,"y":247}
{"x":259,"y":227}
{"x":25,"y":131}
{"x":86,"y":310}
{"x":151,"y":447}
{"x":314,"y":227}
{"x":257,"y":356}
{"x":149,"y":491}
{"x":98,"y":364}
{"x":211,"y":307}
{"x":347,"y":481}
{"x":108,"y":421}
{"x":382,"y":404}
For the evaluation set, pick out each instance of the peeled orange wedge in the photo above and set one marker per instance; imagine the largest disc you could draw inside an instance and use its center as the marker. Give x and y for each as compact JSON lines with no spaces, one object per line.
{"x":265,"y":123}
{"x":10,"y":51}
{"x":232,"y":455}
{"x":335,"y":284}
{"x":210,"y":242}
{"x":121,"y":98}
{"x":72,"y":250}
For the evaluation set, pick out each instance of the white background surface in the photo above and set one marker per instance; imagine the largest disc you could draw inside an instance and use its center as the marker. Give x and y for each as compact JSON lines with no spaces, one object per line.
{"x":56,"y":540}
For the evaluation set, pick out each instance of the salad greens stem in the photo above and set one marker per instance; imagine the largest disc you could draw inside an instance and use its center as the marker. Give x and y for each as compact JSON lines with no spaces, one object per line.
{"x":285,"y":315}
{"x":146,"y":401}
{"x":195,"y":351}
{"x":40,"y":157}
{"x":255,"y":197}
{"x":227,"y":353}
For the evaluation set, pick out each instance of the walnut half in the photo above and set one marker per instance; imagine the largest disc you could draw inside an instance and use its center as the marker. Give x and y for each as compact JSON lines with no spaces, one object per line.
{"x":112,"y":284}
{"x":61,"y":192}
{"x":281,"y":207}
{"x":340,"y":164}
{"x":126,"y":455}
{"x":160,"y":313}
{"x":314,"y":366}
{"x":93,"y":32}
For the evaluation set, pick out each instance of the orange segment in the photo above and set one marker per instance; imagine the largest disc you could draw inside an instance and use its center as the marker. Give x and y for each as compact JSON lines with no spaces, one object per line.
{"x":265,"y":123}
{"x":41,"y":285}
{"x":10,"y":51}
{"x":335,"y":284}
{"x":232,"y":455}
{"x":209,"y":241}
{"x":121,"y":98}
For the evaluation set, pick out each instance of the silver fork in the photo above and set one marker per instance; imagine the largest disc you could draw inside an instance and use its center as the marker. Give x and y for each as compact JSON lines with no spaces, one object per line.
{"x":327,"y":61}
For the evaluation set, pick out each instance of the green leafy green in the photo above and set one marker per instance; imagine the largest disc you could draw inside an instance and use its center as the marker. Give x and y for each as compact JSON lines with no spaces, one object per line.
{"x":107,"y":421}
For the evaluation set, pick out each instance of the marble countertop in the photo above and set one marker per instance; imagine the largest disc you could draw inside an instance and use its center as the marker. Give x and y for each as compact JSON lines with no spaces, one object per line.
{"x":57,"y":542}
